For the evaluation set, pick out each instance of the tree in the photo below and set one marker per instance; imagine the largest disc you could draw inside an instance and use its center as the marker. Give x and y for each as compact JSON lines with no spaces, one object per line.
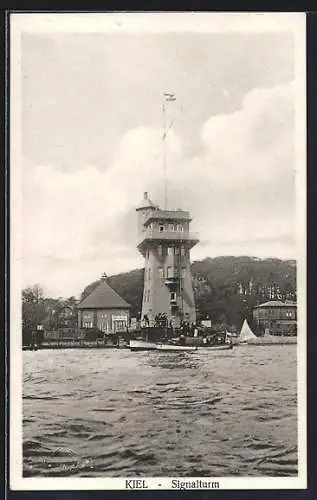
{"x":33,"y":311}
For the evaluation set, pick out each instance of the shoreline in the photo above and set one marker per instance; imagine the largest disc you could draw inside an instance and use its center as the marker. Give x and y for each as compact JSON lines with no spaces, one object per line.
{"x":104,"y":346}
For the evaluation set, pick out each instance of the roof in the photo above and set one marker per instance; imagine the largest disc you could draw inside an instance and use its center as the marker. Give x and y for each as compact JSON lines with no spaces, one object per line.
{"x":146,"y":203}
{"x":171,"y":215}
{"x":277,"y":303}
{"x":103,"y":297}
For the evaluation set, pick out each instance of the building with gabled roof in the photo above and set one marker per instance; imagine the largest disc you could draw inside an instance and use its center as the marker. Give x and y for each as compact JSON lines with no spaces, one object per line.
{"x":277,"y":303}
{"x":104,"y":309}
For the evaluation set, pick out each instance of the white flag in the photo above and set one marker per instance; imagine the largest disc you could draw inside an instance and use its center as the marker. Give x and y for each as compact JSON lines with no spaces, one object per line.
{"x":169,"y":97}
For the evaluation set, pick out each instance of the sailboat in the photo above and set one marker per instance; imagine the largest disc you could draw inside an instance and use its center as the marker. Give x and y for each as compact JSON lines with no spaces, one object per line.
{"x":246,"y":334}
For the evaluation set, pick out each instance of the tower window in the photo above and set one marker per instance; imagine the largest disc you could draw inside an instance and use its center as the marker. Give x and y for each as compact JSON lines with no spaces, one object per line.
{"x":183,"y":272}
{"x":177,"y":250}
{"x":171,"y":227}
{"x":170,"y":272}
{"x":183,"y":252}
{"x":160,"y":250}
{"x":170,"y":251}
{"x":180,"y":228}
{"x":161,"y":228}
{"x":173,"y":296}
{"x":161,"y":272}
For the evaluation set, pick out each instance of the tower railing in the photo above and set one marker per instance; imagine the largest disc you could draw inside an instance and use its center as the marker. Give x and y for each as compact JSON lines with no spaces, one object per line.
{"x":156,"y":234}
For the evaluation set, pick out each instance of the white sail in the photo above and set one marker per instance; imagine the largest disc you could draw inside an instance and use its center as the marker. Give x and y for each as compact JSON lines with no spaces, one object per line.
{"x":246,"y":333}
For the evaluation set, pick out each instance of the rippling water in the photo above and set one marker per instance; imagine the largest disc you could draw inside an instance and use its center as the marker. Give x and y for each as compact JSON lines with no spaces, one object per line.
{"x":117,"y":413}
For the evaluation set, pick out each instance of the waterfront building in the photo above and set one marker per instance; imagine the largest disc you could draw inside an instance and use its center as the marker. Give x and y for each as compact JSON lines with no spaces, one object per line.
{"x":165,"y":241}
{"x":276,"y":317}
{"x":104,"y":309}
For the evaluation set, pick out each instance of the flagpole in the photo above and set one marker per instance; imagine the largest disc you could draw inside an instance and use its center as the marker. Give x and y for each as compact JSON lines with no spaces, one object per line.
{"x":167,"y":97}
{"x":164,"y":155}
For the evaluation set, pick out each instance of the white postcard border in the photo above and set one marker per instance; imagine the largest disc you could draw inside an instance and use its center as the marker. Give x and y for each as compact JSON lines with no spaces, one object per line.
{"x":154,"y":23}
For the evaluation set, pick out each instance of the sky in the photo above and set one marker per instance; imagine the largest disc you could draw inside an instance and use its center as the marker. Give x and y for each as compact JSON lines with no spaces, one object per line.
{"x":91,"y":145}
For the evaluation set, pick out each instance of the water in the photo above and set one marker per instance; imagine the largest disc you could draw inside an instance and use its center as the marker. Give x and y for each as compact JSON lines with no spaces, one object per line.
{"x":115,"y":413}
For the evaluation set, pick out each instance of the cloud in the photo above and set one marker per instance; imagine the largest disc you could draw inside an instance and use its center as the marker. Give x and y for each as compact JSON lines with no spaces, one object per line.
{"x":249,"y":145}
{"x":240,"y":190}
{"x":237,"y":189}
{"x":83,"y":91}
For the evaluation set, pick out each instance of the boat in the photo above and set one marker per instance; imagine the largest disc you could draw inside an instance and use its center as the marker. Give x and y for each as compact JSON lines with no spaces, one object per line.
{"x":223,"y":346}
{"x":30,"y":348}
{"x":246,"y":334}
{"x":220,"y":347}
{"x":142,"y":345}
{"x":173,"y":347}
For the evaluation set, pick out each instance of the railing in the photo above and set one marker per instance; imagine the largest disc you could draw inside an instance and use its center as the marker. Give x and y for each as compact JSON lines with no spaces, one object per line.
{"x":172,"y":278}
{"x":168,"y":236}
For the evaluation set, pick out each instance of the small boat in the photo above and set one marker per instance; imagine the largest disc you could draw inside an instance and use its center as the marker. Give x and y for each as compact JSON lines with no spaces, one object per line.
{"x":219,"y":347}
{"x":142,"y":345}
{"x":246,"y":334}
{"x":174,"y":347}
{"x":30,"y":347}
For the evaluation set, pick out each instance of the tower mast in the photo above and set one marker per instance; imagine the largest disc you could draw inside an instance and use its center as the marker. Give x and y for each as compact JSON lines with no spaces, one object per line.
{"x":167,"y":97}
{"x":164,"y":154}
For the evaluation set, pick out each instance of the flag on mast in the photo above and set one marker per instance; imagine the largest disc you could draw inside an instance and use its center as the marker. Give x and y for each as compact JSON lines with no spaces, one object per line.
{"x":169,"y":97}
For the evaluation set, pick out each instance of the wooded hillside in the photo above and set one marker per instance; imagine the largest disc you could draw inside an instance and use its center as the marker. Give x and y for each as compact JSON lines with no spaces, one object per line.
{"x":226,"y":288}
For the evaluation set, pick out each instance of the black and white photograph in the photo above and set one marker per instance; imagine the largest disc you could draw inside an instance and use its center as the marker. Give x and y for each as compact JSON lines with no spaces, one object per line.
{"x":158,"y":251}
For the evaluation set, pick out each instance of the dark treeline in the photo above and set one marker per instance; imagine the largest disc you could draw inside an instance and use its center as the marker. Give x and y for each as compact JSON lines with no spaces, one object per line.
{"x":226,"y":288}
{"x":226,"y":291}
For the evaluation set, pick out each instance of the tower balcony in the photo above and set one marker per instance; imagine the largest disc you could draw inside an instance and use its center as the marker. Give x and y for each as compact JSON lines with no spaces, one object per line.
{"x":172,"y":280}
{"x":147,"y":237}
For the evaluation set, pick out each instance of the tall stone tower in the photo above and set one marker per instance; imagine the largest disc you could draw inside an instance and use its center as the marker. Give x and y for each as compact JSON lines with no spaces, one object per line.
{"x":165,"y":241}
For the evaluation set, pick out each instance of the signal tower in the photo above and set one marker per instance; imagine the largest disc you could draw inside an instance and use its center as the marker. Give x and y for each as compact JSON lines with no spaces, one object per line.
{"x":165,"y":241}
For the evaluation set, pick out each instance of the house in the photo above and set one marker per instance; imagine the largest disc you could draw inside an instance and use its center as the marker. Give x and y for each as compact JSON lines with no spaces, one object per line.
{"x":276,"y":317}
{"x":104,"y":309}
